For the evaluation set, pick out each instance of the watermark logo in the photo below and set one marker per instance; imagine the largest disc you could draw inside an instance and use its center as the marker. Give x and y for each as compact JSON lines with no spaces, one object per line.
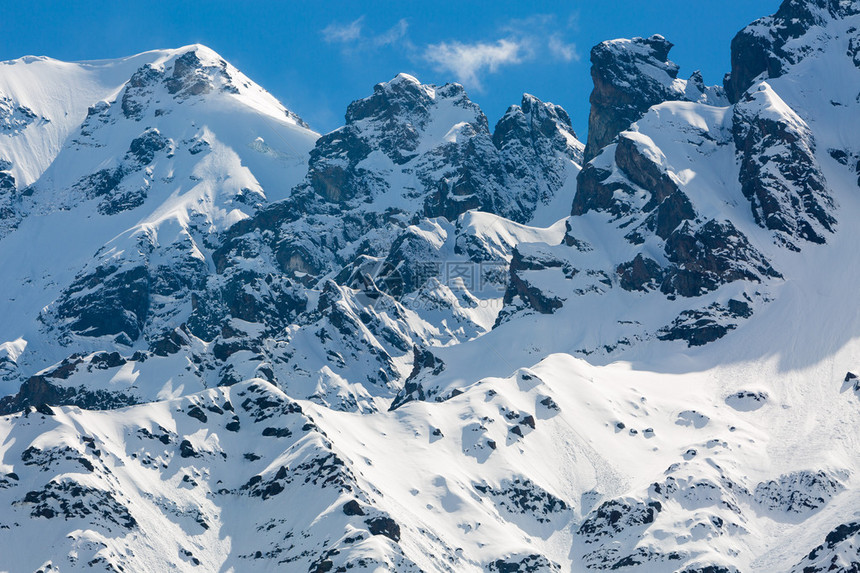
{"x":474,"y":283}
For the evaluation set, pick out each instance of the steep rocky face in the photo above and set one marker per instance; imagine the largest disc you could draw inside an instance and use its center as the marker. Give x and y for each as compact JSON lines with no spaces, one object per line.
{"x":140,"y":284}
{"x":7,"y":193}
{"x":241,"y":285}
{"x":407,"y":152}
{"x":436,"y":148}
{"x":629,"y":77}
{"x":632,"y":181}
{"x":647,"y":176}
{"x":154,"y":175}
{"x":767,"y":45}
{"x":372,"y":354}
{"x":14,"y":117}
{"x":779,"y":172}
{"x":540,"y":150}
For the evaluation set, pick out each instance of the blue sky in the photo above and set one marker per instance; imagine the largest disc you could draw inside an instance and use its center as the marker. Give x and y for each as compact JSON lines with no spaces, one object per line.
{"x":316,"y":57}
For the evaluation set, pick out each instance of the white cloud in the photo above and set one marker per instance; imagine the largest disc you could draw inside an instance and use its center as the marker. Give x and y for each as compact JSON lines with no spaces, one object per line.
{"x":343,"y":33}
{"x":467,"y":61}
{"x":393,"y":34}
{"x":355,"y":37}
{"x":562,"y":50}
{"x":547,"y":35}
{"x":537,"y":37}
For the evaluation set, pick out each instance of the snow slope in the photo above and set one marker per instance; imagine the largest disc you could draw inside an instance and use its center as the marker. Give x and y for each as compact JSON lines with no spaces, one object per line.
{"x":179,"y":171}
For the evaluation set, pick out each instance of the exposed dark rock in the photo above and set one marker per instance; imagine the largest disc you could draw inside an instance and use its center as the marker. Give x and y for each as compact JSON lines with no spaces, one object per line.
{"x":532,"y":138}
{"x":629,"y":77}
{"x":854,"y":51}
{"x":593,"y":195}
{"x":532,"y":563}
{"x":144,"y":147}
{"x":138,"y":87}
{"x":710,"y":569}
{"x":118,"y":306}
{"x":186,"y":450}
{"x":779,"y":173}
{"x":169,"y":343}
{"x":711,"y":255}
{"x":643,"y":171}
{"x":384,"y":526}
{"x":642,"y":273}
{"x":518,"y":285}
{"x":667,"y":204}
{"x":187,"y":77}
{"x":105,"y":360}
{"x":799,"y":493}
{"x":746,"y":400}
{"x":352,"y":507}
{"x":522,"y":496}
{"x":68,"y":499}
{"x":14,"y":117}
{"x":699,"y":327}
{"x":124,"y":201}
{"x":621,"y":518}
{"x":424,"y":360}
{"x":7,"y":182}
{"x":38,"y":390}
{"x":615,"y":516}
{"x":102,"y":182}
{"x":197,"y":412}
{"x":765,"y":47}
{"x":277,"y":432}
{"x":839,"y":553}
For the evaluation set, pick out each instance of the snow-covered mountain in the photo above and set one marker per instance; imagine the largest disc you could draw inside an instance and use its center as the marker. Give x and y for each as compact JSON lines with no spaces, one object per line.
{"x":417,"y":343}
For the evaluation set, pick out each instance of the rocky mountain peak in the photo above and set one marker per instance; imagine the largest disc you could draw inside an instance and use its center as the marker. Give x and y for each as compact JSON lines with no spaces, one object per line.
{"x":188,"y":72}
{"x":404,"y":98}
{"x":440,"y":142}
{"x":766,"y":47}
{"x":629,"y":77}
{"x":780,"y":174}
{"x":543,"y":118}
{"x":539,"y":146}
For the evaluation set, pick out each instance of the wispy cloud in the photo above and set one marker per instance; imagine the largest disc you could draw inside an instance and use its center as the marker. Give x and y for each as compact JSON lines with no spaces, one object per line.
{"x":547,"y":35}
{"x":538,"y":37}
{"x":336,"y":33}
{"x":559,"y":49}
{"x":392,"y":35}
{"x":354,"y":36}
{"x":467,"y":61}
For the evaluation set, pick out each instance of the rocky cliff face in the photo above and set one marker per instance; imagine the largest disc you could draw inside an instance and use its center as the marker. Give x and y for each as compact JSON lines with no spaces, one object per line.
{"x":362,"y":256}
{"x":780,"y":174}
{"x":768,"y":47}
{"x":440,"y":145}
{"x":390,"y":348}
{"x":681,"y":227}
{"x":629,"y":77}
